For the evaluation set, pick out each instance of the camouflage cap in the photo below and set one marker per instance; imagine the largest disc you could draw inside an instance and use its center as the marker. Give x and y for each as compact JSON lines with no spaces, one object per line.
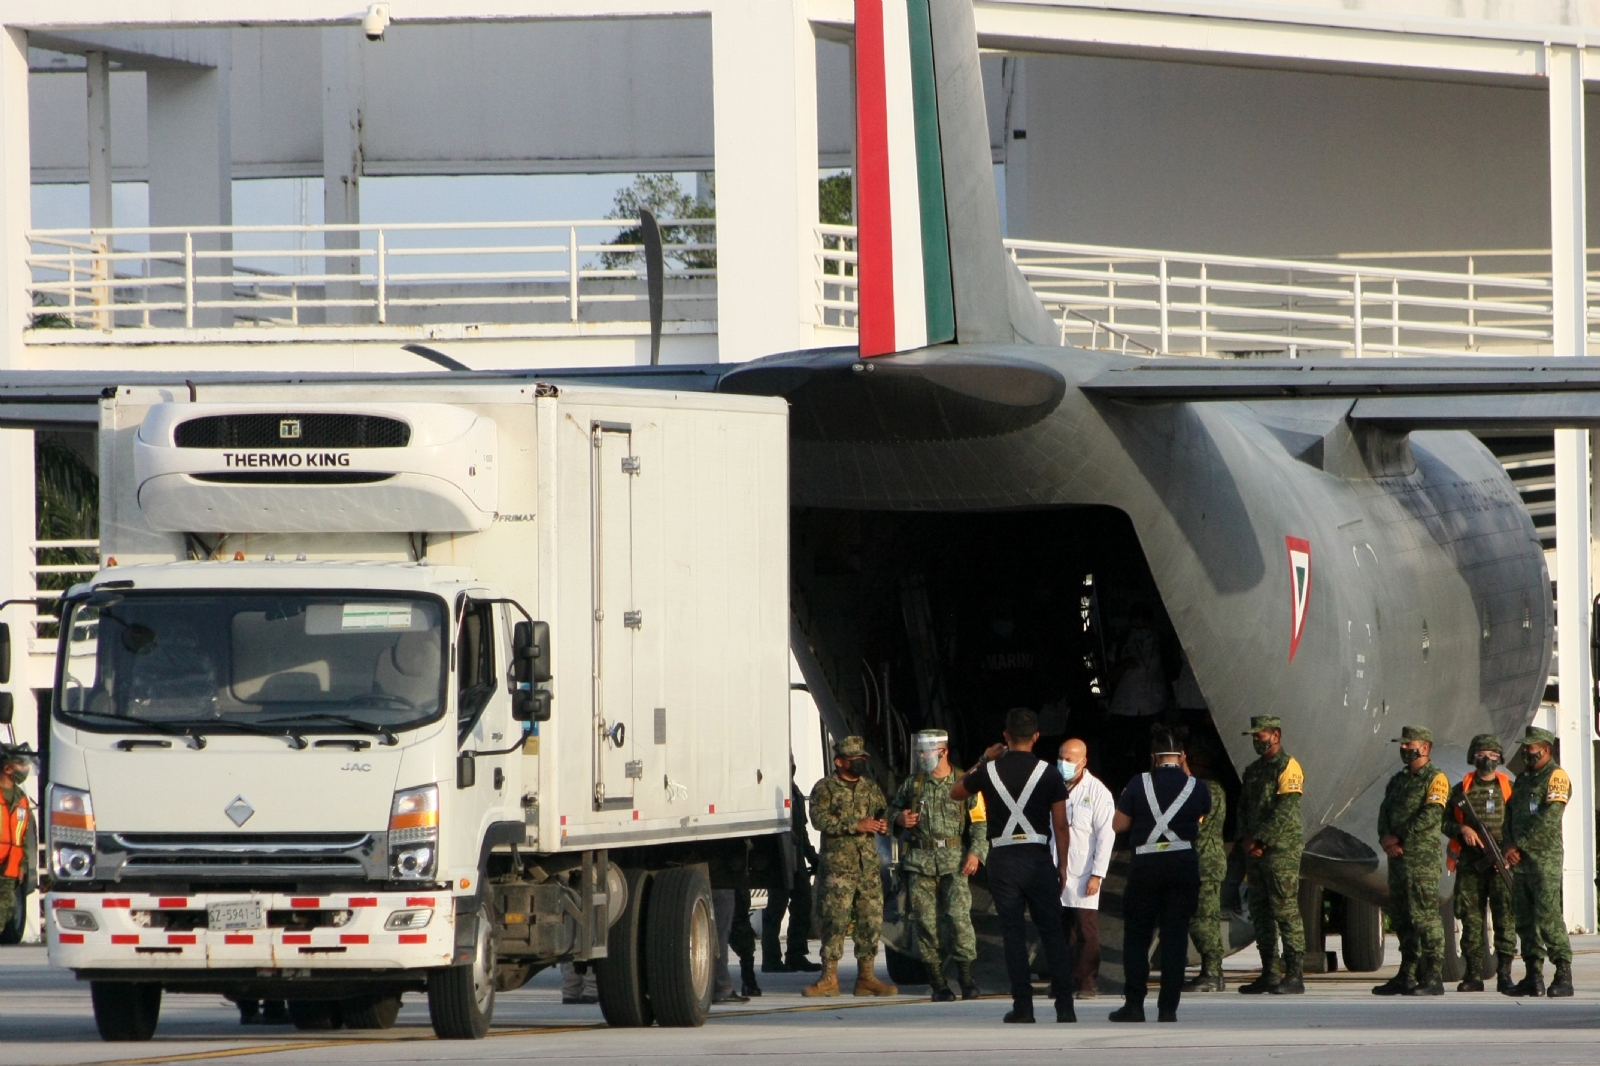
{"x":1264,"y":721}
{"x":1535,"y":735}
{"x":1485,"y":742}
{"x":849,"y":747}
{"x":1414,"y":732}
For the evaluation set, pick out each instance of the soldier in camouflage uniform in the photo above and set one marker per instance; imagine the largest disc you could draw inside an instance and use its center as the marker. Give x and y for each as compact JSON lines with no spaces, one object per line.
{"x":1409,"y":824}
{"x":1273,"y":840}
{"x":1205,"y":929}
{"x":847,"y":808}
{"x":1478,"y":804}
{"x":945,"y":841}
{"x":1534,"y":853}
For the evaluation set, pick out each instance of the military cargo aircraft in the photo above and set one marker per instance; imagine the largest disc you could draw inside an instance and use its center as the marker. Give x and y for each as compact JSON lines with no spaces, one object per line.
{"x":985,"y":518}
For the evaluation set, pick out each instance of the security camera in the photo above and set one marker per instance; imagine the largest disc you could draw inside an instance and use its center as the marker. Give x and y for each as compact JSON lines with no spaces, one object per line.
{"x":375,"y":22}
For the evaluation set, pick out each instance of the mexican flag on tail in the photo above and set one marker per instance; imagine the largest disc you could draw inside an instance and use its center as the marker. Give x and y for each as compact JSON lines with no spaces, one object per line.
{"x":903,"y":247}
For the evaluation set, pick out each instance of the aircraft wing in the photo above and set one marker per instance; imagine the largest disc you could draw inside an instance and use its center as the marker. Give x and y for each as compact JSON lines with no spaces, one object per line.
{"x":1472,"y":392}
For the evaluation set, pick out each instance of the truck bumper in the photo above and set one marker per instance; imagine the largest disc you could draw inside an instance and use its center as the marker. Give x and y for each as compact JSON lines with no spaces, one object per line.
{"x":129,"y":932}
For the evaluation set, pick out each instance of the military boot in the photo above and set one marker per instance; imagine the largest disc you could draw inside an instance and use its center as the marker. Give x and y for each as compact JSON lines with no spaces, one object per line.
{"x":828,"y":983}
{"x":969,"y":980}
{"x":1561,"y":983}
{"x":1430,"y":981}
{"x":1532,"y":983}
{"x":1294,"y":975}
{"x":938,"y":985}
{"x":1472,"y":979}
{"x":1502,"y":978}
{"x":867,"y":984}
{"x":1401,"y":983}
{"x":1209,"y":979}
{"x":1266,"y":982}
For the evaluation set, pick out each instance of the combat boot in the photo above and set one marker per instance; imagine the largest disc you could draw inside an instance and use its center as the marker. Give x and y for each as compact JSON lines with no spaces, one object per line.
{"x":938,"y":985}
{"x":969,"y":980}
{"x":1209,"y":979}
{"x":1294,"y":976}
{"x":828,"y":983}
{"x":1266,"y":982}
{"x":1532,"y":984}
{"x":1561,"y":983}
{"x":1400,"y":984}
{"x":798,"y":963}
{"x":1430,"y":982}
{"x":1502,"y":978}
{"x":867,"y":984}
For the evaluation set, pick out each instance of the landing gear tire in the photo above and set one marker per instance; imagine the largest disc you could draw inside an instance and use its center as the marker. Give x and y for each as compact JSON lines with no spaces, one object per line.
{"x":125,"y":1011}
{"x":1363,"y":936}
{"x":461,"y":998}
{"x":903,"y":969}
{"x":680,"y":938}
{"x":316,"y":1015}
{"x":371,"y":1012}
{"x":620,"y":977}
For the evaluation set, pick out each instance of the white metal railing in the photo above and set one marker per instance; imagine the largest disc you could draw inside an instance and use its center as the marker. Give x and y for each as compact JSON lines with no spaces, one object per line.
{"x":173,"y":276}
{"x":1188,"y":304}
{"x":70,"y":572}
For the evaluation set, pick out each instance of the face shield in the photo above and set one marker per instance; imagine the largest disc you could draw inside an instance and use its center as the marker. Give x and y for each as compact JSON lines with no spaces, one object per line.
{"x":925,"y":748}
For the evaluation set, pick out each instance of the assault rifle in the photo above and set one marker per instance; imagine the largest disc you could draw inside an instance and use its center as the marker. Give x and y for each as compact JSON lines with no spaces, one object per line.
{"x":1489,"y":843}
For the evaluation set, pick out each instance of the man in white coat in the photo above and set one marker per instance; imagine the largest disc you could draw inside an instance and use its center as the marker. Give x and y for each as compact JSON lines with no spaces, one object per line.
{"x":1090,"y":807}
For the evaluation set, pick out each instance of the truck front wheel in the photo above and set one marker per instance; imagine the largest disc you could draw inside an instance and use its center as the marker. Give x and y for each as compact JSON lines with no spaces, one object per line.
{"x":461,"y":998}
{"x":680,"y":939}
{"x":620,"y":976}
{"x":124,"y":1010}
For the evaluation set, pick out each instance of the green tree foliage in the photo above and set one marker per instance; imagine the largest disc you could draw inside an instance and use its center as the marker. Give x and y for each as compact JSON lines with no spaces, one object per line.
{"x":836,"y":199}
{"x":664,"y":197}
{"x":67,"y":507}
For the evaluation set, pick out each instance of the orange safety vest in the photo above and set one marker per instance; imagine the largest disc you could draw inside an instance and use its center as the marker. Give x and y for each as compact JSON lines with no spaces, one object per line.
{"x":13,"y":837}
{"x":1461,"y":816}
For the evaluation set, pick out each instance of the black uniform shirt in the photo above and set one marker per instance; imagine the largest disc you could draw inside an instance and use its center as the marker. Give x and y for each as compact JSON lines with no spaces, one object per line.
{"x":1014,"y":768}
{"x":1168,"y":782}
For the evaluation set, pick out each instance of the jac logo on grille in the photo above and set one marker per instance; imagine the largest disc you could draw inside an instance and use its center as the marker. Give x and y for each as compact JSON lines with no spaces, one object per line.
{"x":289,"y":429}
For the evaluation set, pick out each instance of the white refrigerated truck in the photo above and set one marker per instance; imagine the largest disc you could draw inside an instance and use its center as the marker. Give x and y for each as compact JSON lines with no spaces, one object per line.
{"x":417,"y":687}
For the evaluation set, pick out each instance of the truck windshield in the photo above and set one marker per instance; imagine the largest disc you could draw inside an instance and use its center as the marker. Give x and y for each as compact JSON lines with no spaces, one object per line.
{"x":205,"y":661}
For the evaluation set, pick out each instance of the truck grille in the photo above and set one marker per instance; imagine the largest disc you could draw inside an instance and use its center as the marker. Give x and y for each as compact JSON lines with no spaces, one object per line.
{"x":210,"y":855}
{"x":291,"y":430}
{"x":293,"y":477}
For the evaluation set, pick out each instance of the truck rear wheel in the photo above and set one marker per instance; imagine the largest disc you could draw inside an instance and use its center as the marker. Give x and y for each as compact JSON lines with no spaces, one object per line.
{"x":680,"y":937}
{"x":371,"y":1012}
{"x":315,"y":1015}
{"x":620,"y":976}
{"x":125,"y":1010}
{"x":461,"y":998}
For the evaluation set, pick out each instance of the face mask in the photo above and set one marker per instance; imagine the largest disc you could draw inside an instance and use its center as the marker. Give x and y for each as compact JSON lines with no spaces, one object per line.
{"x":1261,"y":746}
{"x":19,"y":774}
{"x":927,"y":761}
{"x":858,"y":766}
{"x":1487,"y":763}
{"x":1069,"y":770}
{"x":1409,"y":755}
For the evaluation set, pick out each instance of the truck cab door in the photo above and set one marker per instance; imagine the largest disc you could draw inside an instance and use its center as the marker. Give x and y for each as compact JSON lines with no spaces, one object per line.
{"x":616,"y":619}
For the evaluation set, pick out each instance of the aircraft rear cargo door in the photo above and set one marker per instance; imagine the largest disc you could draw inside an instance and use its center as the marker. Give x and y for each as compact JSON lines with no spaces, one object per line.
{"x":616,"y":620}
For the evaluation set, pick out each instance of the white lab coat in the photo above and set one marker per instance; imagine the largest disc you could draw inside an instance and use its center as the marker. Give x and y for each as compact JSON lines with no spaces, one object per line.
{"x":1090,"y":808}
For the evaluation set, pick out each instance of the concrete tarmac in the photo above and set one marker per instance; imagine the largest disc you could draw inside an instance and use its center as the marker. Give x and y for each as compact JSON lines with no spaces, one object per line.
{"x":45,"y":1019}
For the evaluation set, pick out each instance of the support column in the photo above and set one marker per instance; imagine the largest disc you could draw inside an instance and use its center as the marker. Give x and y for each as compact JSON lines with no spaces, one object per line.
{"x":1015,"y":80}
{"x":1575,"y":720}
{"x":342,"y":102}
{"x":764,"y":88}
{"x":16,"y":446}
{"x":191,"y":177}
{"x":99,"y":79}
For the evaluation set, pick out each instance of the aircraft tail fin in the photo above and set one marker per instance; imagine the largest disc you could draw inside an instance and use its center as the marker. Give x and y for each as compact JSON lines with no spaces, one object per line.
{"x":932,"y":268}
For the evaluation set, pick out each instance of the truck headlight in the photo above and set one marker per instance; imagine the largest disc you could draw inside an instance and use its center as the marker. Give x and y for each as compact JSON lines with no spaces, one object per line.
{"x":77,"y":921}
{"x":71,"y":833}
{"x":414,"y":834}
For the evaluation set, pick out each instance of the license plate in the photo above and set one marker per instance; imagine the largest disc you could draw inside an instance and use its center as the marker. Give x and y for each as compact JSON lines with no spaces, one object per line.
{"x":242,"y":914}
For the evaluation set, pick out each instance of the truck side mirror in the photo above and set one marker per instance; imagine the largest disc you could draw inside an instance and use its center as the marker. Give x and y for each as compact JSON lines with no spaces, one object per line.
{"x":531,"y":706}
{"x":530,"y":645}
{"x":5,"y":654}
{"x":7,"y":708}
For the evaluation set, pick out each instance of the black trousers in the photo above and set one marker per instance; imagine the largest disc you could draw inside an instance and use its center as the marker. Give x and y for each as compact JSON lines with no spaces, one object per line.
{"x":1162,"y":893}
{"x":797,"y":901}
{"x":1022,"y":875}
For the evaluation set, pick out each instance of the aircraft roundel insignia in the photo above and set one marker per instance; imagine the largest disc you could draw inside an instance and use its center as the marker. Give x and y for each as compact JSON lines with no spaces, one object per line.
{"x":1299,"y":589}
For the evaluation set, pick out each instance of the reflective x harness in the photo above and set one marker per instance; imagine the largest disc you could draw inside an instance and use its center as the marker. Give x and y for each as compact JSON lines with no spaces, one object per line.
{"x":1170,"y":841}
{"x":1018,"y":829}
